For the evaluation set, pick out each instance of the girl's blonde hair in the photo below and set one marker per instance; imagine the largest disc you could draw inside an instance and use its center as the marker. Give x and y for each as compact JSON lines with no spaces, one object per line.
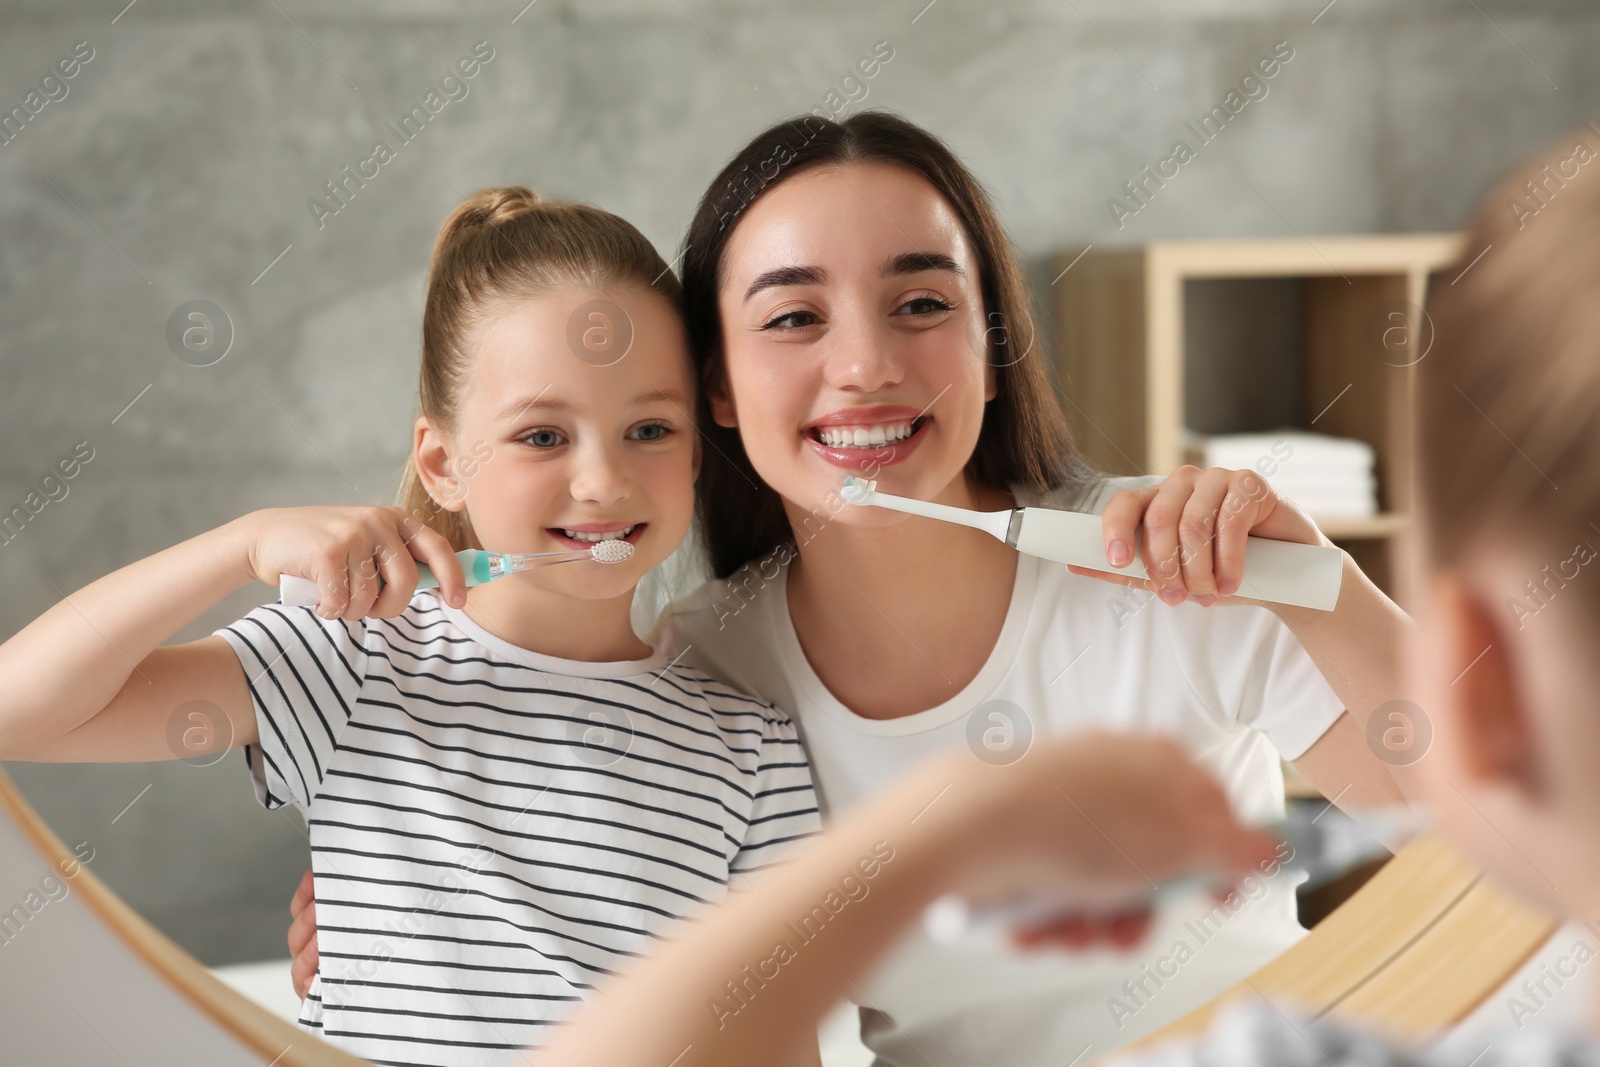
{"x":1508,"y":401}
{"x":504,"y":243}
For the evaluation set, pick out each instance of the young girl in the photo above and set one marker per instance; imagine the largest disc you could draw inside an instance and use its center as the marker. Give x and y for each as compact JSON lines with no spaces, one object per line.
{"x":1508,"y":402}
{"x":507,"y":793}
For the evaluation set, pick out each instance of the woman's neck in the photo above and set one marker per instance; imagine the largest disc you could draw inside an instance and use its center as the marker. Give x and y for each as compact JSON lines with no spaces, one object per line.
{"x":516,"y":610}
{"x":897,"y":619}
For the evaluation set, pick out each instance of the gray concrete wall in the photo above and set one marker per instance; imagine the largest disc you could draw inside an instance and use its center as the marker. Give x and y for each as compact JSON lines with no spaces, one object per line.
{"x":179,"y":165}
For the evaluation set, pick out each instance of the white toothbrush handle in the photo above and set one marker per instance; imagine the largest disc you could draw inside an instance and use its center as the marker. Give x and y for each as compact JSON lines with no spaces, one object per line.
{"x":297,"y":592}
{"x":1284,"y":572}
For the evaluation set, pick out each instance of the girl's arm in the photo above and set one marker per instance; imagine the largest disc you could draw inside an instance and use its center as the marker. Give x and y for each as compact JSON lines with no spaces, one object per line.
{"x":1093,"y":818}
{"x":88,"y":680}
{"x":1190,"y":533}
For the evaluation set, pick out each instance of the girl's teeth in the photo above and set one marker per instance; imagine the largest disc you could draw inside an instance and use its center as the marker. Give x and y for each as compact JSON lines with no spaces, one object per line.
{"x":593,"y":538}
{"x":864,"y":436}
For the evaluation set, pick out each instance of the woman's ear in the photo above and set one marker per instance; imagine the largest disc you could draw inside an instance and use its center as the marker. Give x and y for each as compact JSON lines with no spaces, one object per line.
{"x":1494,"y":726}
{"x":431,"y":453}
{"x":723,"y":412}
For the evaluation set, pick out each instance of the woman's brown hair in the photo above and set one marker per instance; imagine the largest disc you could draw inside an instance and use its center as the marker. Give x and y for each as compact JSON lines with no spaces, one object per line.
{"x":1023,"y":439}
{"x":502,"y":243}
{"x":1508,"y":401}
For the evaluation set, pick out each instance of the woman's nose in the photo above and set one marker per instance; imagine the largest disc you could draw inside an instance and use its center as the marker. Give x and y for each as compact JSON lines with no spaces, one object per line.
{"x":862,"y":355}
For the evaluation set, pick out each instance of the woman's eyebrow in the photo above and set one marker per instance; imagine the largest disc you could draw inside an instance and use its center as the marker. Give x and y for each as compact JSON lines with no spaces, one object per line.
{"x":771,"y":279}
{"x":916,"y":262}
{"x":904,"y":263}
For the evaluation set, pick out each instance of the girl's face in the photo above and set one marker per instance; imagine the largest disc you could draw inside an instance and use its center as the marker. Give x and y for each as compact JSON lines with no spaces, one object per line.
{"x":853,"y":328}
{"x":561,"y":442}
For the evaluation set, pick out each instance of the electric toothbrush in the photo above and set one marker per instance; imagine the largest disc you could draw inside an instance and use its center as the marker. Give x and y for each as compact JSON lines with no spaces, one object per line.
{"x":477,"y":565}
{"x":1283,"y":572}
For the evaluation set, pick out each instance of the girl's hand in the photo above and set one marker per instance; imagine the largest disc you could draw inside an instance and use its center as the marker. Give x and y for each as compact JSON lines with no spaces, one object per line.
{"x":362,"y":558}
{"x":1190,"y":532}
{"x":1099,"y":820}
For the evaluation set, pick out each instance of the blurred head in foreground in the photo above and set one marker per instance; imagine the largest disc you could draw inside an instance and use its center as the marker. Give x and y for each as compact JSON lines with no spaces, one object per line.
{"x":1504,"y":555}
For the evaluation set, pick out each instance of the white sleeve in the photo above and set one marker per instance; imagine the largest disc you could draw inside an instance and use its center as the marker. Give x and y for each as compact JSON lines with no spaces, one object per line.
{"x":784,"y":809}
{"x":305,"y":675}
{"x":1247,"y":665}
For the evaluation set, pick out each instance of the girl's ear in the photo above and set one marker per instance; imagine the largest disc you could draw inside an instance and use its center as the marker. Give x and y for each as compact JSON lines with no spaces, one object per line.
{"x":1494,"y":726}
{"x":431,"y":453}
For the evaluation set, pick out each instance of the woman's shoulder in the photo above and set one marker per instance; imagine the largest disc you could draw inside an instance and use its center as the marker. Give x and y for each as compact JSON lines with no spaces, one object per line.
{"x":726,"y":628}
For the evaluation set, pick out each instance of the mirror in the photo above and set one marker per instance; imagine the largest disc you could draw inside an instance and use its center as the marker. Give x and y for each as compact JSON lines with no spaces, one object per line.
{"x":214,"y":291}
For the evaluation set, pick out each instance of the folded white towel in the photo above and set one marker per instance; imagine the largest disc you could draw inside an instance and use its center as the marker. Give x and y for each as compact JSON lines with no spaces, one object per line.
{"x":1331,"y":477}
{"x":1305,"y":450}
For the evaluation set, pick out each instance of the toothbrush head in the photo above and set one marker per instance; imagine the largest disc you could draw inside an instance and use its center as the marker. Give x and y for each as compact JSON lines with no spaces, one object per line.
{"x":612,"y":551}
{"x":858,"y":490}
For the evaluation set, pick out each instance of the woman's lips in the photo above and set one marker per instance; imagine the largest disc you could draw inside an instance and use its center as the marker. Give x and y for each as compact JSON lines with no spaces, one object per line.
{"x":872,"y":457}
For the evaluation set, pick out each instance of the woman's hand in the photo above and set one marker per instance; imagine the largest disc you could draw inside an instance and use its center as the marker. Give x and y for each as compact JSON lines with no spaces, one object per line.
{"x":1190,"y":532}
{"x":362,"y":558}
{"x":303,"y":937}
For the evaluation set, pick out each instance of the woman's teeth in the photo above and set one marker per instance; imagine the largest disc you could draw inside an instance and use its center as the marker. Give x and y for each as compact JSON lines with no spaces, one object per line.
{"x":864,"y":436}
{"x":593,"y":538}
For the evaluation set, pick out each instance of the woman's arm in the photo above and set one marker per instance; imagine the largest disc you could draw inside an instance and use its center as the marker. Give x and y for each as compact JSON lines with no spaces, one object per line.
{"x":89,"y":681}
{"x":1357,"y":647}
{"x":1091,"y":819}
{"x":1190,"y":532}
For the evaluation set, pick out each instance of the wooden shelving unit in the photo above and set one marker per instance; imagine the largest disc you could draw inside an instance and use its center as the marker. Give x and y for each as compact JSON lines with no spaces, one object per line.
{"x":1247,"y":336}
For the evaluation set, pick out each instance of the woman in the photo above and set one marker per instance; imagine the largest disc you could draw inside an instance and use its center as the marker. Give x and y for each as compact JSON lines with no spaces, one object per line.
{"x":1507,"y":406}
{"x":856,"y":309}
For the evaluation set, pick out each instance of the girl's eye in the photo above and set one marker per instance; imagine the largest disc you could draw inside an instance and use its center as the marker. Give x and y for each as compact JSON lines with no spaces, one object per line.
{"x":653,"y":431}
{"x":791,"y":320}
{"x":543,"y":438}
{"x":924,"y":305}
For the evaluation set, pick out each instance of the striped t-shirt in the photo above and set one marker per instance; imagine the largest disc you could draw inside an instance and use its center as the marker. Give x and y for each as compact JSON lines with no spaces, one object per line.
{"x":494,"y":830}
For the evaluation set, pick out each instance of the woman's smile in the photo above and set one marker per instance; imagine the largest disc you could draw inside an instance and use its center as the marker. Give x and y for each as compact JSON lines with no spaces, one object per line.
{"x":865,"y":437}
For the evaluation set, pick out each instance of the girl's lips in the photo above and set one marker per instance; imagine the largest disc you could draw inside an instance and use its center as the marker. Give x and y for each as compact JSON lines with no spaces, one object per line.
{"x":584,"y":546}
{"x":859,"y":460}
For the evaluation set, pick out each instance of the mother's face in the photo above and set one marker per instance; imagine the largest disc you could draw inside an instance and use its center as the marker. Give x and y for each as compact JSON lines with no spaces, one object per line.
{"x":853,"y":333}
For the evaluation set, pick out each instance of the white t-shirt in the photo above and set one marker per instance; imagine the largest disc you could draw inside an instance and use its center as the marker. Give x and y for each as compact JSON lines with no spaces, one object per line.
{"x":494,"y":830}
{"x":1230,"y":683}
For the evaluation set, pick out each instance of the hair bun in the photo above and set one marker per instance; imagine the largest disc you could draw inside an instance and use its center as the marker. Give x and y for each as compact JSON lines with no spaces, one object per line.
{"x":497,"y":204}
{"x":484,"y":210}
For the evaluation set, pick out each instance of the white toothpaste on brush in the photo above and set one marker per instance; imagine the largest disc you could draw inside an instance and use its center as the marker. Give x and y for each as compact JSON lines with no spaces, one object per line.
{"x":1283,"y":572}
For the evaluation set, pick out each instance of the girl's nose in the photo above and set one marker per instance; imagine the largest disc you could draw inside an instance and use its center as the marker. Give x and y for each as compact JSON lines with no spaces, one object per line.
{"x":600,"y":477}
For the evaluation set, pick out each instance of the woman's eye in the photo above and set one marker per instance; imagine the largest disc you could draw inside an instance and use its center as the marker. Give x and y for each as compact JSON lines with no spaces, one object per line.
{"x":543,"y":438}
{"x":791,"y":320}
{"x":924,"y":305}
{"x":654,"y":431}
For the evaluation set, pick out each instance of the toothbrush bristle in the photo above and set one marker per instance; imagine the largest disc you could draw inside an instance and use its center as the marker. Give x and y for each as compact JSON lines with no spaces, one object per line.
{"x":857,"y":490}
{"x":612,"y":551}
